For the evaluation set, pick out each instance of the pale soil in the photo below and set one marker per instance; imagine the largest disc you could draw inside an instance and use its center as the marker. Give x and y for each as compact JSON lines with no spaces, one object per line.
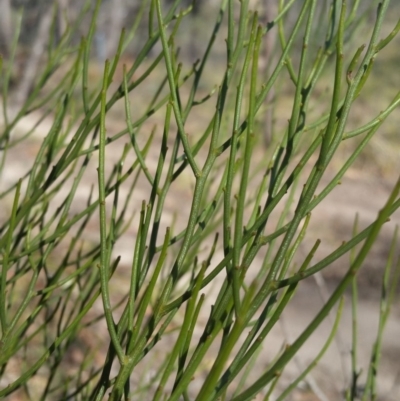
{"x":361,"y":192}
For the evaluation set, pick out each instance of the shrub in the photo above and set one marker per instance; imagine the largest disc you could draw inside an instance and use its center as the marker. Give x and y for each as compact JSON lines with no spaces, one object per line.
{"x":214,"y":246}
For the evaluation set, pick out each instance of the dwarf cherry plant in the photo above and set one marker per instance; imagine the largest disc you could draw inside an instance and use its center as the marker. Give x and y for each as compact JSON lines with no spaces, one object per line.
{"x":211,"y":218}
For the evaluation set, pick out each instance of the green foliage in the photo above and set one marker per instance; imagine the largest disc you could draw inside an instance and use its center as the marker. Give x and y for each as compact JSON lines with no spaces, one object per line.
{"x":56,"y":276}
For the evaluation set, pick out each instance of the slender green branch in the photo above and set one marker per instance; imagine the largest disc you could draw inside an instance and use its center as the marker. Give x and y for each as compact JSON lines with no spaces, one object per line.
{"x":104,"y":250}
